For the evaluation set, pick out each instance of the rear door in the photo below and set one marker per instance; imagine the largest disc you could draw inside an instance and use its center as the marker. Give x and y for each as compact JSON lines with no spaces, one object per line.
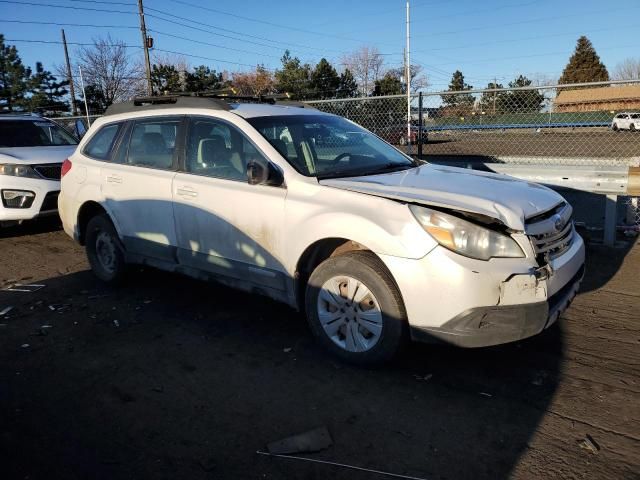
{"x":137,"y":186}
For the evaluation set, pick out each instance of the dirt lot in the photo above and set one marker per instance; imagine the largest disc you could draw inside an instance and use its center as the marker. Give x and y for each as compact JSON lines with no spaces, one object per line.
{"x":173,"y":378}
{"x":584,"y":143}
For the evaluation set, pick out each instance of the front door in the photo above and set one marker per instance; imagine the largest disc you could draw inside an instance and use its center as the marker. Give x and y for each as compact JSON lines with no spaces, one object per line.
{"x":137,"y":186}
{"x":224,"y":225}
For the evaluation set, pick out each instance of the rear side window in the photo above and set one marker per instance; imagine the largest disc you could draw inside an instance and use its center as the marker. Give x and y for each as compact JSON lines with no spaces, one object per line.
{"x":101,"y":144}
{"x":153,"y":143}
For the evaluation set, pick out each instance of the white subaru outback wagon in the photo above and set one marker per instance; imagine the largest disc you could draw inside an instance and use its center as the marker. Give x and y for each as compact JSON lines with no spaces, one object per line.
{"x":312,"y":210}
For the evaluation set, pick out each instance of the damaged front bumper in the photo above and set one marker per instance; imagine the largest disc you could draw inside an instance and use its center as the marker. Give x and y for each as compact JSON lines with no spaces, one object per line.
{"x":486,"y":326}
{"x":475,"y":303}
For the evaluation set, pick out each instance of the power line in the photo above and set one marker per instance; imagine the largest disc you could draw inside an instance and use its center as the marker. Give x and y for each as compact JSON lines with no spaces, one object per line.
{"x":210,"y":44}
{"x":68,"y":7}
{"x":61,"y":24}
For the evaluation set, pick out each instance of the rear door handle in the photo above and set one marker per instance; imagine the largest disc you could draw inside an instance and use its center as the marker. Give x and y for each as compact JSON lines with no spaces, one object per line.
{"x":186,"y":192}
{"x":114,"y":179}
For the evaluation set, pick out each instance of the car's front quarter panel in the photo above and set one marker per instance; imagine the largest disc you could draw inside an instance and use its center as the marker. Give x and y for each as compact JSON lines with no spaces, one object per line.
{"x":315,"y":212}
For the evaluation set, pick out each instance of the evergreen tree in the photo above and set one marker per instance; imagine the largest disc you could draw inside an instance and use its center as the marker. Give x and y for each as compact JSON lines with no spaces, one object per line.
{"x":14,"y":77}
{"x":294,"y":77}
{"x":584,"y":65}
{"x":96,"y":101}
{"x":324,"y":81}
{"x":489,"y":100}
{"x":348,"y":87}
{"x":203,"y":79}
{"x":165,"y":78}
{"x":462,"y":101}
{"x":390,"y":84}
{"x":522,"y":101}
{"x":46,"y":91}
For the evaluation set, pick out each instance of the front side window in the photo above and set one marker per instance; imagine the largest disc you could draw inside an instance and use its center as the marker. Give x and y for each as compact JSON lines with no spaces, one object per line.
{"x":33,"y":133}
{"x":102,"y":143}
{"x":217,"y":149}
{"x":327,"y":146}
{"x":153,"y":143}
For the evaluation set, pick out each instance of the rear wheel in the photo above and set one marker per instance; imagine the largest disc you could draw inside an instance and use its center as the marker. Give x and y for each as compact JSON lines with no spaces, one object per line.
{"x":355,"y":310}
{"x":104,"y":250}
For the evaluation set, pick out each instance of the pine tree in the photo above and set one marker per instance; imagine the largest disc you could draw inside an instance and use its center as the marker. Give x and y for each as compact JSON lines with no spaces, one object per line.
{"x":490,"y":102}
{"x":165,"y":78}
{"x":204,"y":79}
{"x":462,"y":100}
{"x":390,"y":84}
{"x":348,"y":87}
{"x":584,"y":65}
{"x":46,"y":92}
{"x":324,"y":81}
{"x":14,"y":77}
{"x":294,"y":77}
{"x":522,"y":101}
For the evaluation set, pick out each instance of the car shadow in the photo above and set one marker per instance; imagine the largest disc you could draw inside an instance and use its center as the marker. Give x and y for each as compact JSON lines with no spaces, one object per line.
{"x":167,"y":376}
{"x":32,"y":227}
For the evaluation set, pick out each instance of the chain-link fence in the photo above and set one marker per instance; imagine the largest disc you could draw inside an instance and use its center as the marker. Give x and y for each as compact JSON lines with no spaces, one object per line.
{"x":566,"y":124}
{"x":73,"y":123}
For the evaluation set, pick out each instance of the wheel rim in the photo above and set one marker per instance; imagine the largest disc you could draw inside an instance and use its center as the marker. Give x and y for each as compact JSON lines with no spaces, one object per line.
{"x":106,"y":251}
{"x":349,"y":314}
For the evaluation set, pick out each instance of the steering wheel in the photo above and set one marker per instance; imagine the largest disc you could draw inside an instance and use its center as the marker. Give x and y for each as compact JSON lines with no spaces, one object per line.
{"x":341,"y":156}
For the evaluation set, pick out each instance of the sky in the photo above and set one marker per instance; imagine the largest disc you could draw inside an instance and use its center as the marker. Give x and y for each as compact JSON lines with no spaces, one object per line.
{"x":485,"y":40}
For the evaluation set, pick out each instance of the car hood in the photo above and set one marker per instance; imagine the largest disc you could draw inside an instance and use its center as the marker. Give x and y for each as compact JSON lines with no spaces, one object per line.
{"x":36,"y":155}
{"x":498,"y":196}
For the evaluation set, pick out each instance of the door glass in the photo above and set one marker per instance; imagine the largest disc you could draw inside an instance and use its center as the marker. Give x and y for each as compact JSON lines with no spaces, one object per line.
{"x":217,"y":149}
{"x":153,"y":143}
{"x":102,"y":142}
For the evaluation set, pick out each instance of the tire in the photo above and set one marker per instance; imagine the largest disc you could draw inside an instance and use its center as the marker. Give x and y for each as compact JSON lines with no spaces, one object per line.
{"x":104,"y":250}
{"x":378,"y":328}
{"x":632,"y":127}
{"x":614,"y":127}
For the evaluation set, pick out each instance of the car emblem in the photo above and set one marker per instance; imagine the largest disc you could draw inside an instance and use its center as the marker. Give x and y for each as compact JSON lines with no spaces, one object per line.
{"x":558,"y":223}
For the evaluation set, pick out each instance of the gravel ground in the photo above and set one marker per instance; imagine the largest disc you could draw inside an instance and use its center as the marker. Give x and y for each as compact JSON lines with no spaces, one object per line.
{"x":167,"y":377}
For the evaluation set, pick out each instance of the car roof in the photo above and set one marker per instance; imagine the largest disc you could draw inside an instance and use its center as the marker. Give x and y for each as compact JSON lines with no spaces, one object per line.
{"x":21,"y":116}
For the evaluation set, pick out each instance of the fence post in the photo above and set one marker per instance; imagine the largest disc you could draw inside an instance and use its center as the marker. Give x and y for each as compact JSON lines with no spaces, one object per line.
{"x":420,"y":125}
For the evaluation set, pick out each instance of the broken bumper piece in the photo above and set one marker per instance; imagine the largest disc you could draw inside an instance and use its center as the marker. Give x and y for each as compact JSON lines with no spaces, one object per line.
{"x":486,"y":326}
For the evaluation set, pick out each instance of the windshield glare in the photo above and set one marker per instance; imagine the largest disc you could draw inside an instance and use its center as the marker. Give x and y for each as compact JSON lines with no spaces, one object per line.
{"x":326,"y":146}
{"x":33,"y":133}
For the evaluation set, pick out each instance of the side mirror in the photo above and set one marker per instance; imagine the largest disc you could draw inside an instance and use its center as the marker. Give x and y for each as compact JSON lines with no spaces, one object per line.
{"x":80,"y":128}
{"x":259,"y":173}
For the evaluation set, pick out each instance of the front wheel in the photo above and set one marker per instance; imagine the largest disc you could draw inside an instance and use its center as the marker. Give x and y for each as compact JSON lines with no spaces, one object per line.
{"x":632,"y":127}
{"x":355,"y":310}
{"x":104,"y":250}
{"x":614,"y":127}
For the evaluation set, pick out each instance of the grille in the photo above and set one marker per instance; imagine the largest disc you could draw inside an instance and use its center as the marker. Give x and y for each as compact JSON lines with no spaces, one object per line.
{"x":551,"y":233}
{"x":50,"y":202}
{"x":50,"y":171}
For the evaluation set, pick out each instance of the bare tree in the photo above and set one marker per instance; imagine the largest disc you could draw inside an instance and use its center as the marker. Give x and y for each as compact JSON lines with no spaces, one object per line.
{"x":628,"y":69}
{"x":366,"y":66}
{"x":108,"y":67}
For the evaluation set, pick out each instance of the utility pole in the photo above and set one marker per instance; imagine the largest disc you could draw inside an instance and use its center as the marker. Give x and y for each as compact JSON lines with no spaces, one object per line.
{"x":145,"y":46}
{"x":74,"y":110}
{"x":408,"y":82}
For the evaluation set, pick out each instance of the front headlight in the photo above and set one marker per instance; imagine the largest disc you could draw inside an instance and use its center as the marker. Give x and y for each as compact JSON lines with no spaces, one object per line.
{"x":18,"y":170}
{"x":465,"y":237}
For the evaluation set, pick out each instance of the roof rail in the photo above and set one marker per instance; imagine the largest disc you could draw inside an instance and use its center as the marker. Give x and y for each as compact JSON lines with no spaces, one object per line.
{"x":166,"y":101}
{"x":216,"y":100}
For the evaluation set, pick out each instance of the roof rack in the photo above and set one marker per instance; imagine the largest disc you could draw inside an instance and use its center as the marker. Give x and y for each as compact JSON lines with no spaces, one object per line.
{"x":216,"y":100}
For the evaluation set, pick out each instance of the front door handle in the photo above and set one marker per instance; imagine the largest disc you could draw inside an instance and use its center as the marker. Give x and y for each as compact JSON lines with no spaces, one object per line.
{"x":114,"y":179}
{"x":186,"y":192}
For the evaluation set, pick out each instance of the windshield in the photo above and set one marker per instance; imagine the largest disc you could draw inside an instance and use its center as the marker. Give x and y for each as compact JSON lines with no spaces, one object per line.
{"x":326,"y":146}
{"x":33,"y":133}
